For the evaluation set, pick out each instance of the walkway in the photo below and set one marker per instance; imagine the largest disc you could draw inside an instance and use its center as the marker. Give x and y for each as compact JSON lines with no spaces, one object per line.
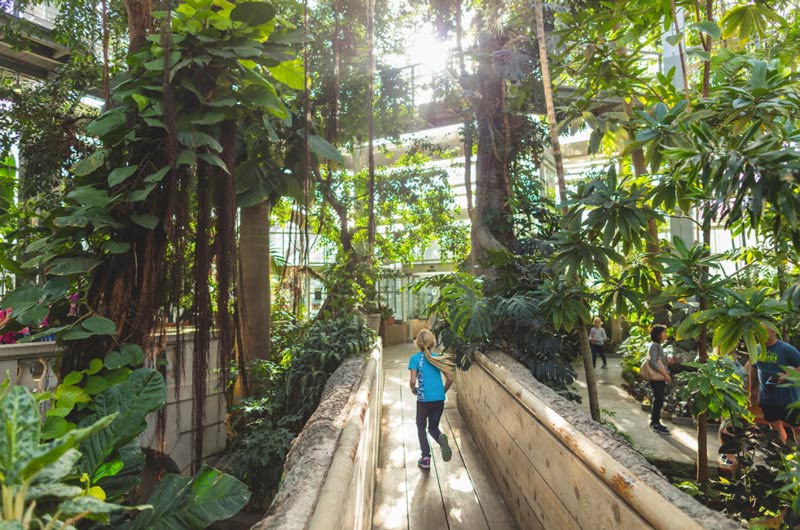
{"x":629,"y":418}
{"x":459,"y":494}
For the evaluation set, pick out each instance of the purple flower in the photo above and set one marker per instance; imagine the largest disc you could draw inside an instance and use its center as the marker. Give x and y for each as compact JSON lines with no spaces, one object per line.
{"x":73,"y":306}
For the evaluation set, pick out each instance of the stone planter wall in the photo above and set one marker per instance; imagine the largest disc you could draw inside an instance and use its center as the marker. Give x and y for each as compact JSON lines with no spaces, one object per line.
{"x":556,"y":468}
{"x":329,"y":474}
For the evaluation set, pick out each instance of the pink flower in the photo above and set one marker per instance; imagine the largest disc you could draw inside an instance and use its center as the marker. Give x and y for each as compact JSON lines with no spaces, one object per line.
{"x":73,"y":306}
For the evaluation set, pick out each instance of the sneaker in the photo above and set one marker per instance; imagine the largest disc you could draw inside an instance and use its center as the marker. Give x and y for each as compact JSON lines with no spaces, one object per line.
{"x":424,"y":462}
{"x":604,"y":366}
{"x":660,"y":429}
{"x":447,"y":453}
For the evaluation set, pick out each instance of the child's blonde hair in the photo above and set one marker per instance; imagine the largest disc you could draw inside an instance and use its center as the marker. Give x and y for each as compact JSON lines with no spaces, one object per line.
{"x":597,"y":321}
{"x":425,"y":340}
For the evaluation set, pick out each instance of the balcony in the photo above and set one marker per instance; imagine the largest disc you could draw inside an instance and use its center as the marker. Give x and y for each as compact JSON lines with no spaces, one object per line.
{"x":39,"y":55}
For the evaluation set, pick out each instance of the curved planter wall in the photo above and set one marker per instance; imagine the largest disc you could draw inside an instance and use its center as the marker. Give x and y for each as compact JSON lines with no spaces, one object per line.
{"x":556,"y":468}
{"x":329,"y":474}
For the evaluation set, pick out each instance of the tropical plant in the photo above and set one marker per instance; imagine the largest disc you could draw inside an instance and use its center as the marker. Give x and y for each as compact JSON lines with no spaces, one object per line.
{"x":502,"y":311}
{"x":740,"y":316}
{"x":33,"y":474}
{"x":715,"y":389}
{"x":66,"y":478}
{"x":287,"y":393}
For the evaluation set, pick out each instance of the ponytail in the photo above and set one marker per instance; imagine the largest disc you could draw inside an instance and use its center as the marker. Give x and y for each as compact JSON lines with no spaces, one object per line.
{"x":445,"y":362}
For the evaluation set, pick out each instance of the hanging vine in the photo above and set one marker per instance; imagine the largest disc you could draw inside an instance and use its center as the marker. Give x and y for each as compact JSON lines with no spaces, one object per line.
{"x":161,"y":185}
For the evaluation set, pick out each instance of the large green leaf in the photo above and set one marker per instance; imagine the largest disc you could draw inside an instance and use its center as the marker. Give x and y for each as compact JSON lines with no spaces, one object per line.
{"x":144,"y":392}
{"x":91,"y":163}
{"x":291,"y":36}
{"x":182,"y":503}
{"x":120,"y":175}
{"x":145,"y":220}
{"x":58,"y":469}
{"x":253,"y":13}
{"x":90,"y":504}
{"x":321,"y":147}
{"x":20,"y":434}
{"x":109,"y":122}
{"x":89,"y":196}
{"x":45,"y":455}
{"x":100,"y":325}
{"x":195,"y":139}
{"x":66,"y":266}
{"x":290,"y":73}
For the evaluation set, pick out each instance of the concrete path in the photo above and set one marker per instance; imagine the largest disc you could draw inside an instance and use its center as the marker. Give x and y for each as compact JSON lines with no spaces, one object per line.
{"x":628,"y":416}
{"x":459,"y":494}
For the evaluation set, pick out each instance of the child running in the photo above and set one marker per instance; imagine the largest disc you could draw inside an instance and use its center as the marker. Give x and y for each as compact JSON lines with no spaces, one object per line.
{"x":426,"y":383}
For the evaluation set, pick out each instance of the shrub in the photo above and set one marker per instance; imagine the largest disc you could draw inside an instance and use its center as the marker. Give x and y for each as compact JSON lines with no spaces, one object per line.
{"x":288,"y":392}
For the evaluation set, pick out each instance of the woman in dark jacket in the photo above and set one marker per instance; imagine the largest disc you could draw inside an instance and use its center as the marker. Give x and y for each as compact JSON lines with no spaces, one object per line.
{"x":658,"y":362}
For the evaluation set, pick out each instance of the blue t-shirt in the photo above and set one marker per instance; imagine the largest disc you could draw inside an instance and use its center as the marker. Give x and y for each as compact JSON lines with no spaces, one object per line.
{"x":769,"y":365}
{"x":429,"y":379}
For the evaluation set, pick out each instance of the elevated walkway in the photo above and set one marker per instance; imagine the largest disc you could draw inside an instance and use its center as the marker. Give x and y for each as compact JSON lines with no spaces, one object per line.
{"x":459,"y":494}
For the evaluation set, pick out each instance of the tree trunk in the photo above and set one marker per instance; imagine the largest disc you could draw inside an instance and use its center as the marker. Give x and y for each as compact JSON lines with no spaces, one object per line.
{"x":702,"y":356}
{"x":555,"y":144}
{"x":492,"y":226}
{"x":702,"y":341}
{"x":468,"y":116}
{"x":140,"y":22}
{"x":371,"y":228}
{"x":591,"y":381}
{"x":639,"y":169}
{"x":254,"y":284}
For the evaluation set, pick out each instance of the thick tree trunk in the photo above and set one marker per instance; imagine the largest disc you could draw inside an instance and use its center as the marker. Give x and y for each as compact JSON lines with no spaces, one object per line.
{"x":140,"y":22}
{"x":492,"y":226}
{"x":254,"y":284}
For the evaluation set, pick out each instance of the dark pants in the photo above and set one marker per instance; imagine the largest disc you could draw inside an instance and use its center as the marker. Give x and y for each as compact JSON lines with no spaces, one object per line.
{"x":598,"y":349}
{"x":659,"y":388}
{"x":428,"y":414}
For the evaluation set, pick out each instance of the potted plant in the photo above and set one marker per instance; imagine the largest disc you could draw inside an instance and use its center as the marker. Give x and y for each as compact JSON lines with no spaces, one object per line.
{"x":387,"y":315}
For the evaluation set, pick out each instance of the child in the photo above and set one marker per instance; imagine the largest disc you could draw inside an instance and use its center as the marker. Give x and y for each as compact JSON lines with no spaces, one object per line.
{"x":426,"y":383}
{"x":597,"y":340}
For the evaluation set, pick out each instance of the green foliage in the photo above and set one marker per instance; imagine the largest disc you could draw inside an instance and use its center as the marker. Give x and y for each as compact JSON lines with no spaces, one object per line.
{"x":67,"y":479}
{"x":749,"y":20}
{"x":715,"y":389}
{"x":751,"y":495}
{"x":740,"y":316}
{"x":616,"y":209}
{"x":33,"y":473}
{"x":191,"y":503}
{"x":289,"y":392}
{"x":502,"y":311}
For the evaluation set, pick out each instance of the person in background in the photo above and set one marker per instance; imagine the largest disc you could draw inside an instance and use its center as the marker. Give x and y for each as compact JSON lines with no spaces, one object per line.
{"x":658,"y":362}
{"x":597,"y":341}
{"x":774,"y":397}
{"x":426,"y":384}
